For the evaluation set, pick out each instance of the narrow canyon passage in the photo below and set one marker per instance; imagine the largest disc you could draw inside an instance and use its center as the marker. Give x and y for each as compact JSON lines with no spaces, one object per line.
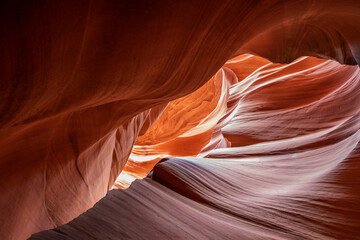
{"x":257,"y":153}
{"x":234,"y":119}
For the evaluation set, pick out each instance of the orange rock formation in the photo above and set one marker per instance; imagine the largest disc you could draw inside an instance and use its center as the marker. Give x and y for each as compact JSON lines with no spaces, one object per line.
{"x":263,"y":150}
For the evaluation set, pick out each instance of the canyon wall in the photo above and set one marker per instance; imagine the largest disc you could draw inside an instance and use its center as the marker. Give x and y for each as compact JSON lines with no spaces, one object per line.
{"x":282,"y":161}
{"x":81,"y":80}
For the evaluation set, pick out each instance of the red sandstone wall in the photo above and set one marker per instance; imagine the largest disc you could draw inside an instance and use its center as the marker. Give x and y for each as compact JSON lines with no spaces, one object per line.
{"x":79,"y":78}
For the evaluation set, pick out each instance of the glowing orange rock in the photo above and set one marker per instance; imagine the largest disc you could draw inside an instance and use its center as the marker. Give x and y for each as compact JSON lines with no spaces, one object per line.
{"x":183,"y":129}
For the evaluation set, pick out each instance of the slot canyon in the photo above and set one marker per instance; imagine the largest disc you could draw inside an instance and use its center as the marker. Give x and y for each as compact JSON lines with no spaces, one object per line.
{"x":232,"y":119}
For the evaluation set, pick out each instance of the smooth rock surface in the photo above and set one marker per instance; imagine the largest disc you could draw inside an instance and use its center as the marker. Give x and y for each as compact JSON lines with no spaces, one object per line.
{"x":81,"y":79}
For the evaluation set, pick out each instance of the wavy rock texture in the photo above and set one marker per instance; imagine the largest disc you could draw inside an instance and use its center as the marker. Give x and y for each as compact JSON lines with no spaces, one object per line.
{"x":81,"y":80}
{"x":282,"y":163}
{"x":183,"y":129}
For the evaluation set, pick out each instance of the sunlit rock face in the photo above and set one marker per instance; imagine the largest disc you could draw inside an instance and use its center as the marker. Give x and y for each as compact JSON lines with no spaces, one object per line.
{"x":273,"y":151}
{"x":183,"y":129}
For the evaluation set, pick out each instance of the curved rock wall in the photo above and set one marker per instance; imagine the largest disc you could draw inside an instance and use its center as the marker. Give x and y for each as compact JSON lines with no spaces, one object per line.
{"x":282,"y":163}
{"x":79,"y":78}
